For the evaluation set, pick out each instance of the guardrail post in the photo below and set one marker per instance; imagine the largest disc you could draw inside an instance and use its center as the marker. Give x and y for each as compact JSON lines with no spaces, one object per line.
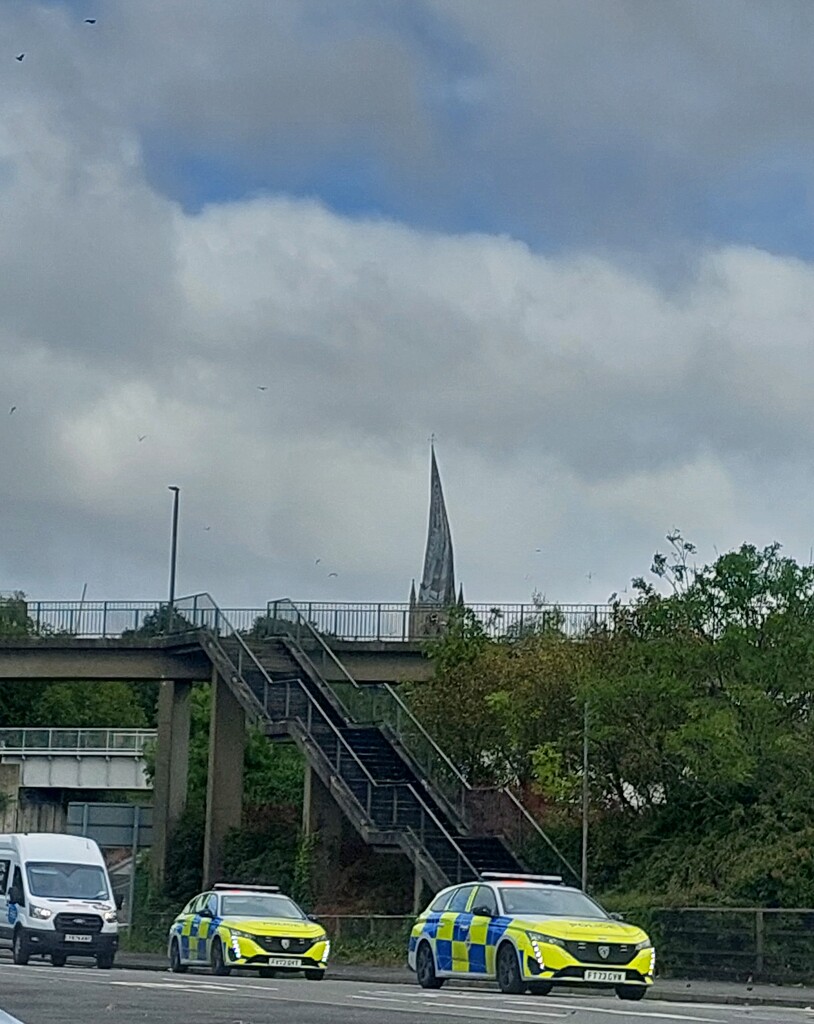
{"x":759,"y":939}
{"x":378,"y":622}
{"x":104,"y":618}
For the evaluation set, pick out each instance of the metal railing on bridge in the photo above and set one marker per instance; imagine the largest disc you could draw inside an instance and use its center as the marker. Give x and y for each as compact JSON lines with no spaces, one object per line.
{"x":383,"y":621}
{"x":89,"y":742}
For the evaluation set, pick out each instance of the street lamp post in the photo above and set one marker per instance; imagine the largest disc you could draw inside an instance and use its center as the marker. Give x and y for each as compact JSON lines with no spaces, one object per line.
{"x":173,"y":555}
{"x":586,"y":795}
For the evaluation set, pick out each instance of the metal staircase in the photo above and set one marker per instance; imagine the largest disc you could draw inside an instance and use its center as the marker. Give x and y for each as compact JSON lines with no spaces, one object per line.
{"x":385,"y":771}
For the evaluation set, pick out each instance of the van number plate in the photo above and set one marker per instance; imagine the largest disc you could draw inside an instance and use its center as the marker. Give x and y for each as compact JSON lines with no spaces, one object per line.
{"x":613,"y":977}
{"x":79,"y":938}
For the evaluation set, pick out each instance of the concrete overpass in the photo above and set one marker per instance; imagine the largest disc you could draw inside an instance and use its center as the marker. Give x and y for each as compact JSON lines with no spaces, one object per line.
{"x":77,"y":758}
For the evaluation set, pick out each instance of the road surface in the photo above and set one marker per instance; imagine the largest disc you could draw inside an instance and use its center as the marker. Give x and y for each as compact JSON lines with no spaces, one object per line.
{"x":78,"y":995}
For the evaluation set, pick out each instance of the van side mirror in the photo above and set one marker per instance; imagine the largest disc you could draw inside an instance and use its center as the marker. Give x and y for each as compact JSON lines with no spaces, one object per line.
{"x":16,"y":894}
{"x":119,"y":901}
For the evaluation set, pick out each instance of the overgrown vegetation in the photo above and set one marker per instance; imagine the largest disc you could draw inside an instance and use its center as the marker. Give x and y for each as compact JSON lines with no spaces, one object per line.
{"x":699,"y":697}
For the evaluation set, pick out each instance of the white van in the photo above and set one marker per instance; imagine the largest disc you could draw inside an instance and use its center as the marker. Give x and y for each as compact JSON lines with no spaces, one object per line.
{"x":56,"y":899}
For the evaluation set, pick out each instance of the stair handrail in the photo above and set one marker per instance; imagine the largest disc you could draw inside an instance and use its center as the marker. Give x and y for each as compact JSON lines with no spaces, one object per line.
{"x":220,"y":617}
{"x":349,"y":679}
{"x":338,"y":735}
{"x":463,"y":782}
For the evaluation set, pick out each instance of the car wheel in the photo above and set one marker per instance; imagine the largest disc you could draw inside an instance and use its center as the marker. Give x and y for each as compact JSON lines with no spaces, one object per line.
{"x":540,"y":988}
{"x":508,"y":971}
{"x":425,"y":968}
{"x":104,"y":961}
{"x":314,"y":975}
{"x":175,"y":959}
{"x":268,"y":972}
{"x":20,"y":951}
{"x":219,"y":967}
{"x":631,"y":992}
{"x":58,"y":959}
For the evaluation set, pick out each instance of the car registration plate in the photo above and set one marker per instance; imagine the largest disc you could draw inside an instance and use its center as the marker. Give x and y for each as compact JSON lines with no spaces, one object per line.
{"x":612,"y":977}
{"x":287,"y":961}
{"x":79,"y":938}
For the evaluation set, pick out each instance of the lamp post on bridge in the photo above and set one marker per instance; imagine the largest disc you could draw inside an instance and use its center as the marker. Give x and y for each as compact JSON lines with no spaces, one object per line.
{"x":173,"y":555}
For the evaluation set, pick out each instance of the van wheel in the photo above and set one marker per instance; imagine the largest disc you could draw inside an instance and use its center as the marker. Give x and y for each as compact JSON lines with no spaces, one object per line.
{"x":175,"y":959}
{"x":20,"y":951}
{"x":104,"y":961}
{"x":58,"y":959}
{"x":425,"y":968}
{"x":508,"y":971}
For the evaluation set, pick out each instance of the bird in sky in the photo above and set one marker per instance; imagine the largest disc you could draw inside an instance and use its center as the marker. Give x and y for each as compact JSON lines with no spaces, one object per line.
{"x":589,"y":576}
{"x":12,"y":409}
{"x":207,"y":528}
{"x":332,"y":574}
{"x":19,"y":56}
{"x":141,"y":438}
{"x":262,"y":387}
{"x":317,"y":561}
{"x":90,"y":21}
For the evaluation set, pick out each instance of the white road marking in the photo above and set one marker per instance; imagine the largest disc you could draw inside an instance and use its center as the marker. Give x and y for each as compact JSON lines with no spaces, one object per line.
{"x":176,"y":987}
{"x":635,"y":1013}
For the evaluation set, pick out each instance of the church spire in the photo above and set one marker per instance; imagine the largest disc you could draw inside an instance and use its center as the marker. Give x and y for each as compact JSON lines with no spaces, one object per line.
{"x":438,"y":580}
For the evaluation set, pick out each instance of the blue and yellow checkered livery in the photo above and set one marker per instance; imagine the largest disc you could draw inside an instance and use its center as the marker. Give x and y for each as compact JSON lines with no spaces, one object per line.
{"x":500,"y":930}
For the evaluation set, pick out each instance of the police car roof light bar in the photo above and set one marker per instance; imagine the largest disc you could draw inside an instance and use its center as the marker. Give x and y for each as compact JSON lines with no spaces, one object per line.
{"x":246,"y":888}
{"x":518,"y":876}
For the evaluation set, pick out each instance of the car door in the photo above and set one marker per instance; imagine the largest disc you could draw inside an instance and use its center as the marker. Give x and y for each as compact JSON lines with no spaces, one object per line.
{"x":197,"y":941}
{"x":5,"y":878}
{"x":482,"y":934}
{"x":207,"y":929}
{"x":181,"y":928}
{"x":460,"y":920}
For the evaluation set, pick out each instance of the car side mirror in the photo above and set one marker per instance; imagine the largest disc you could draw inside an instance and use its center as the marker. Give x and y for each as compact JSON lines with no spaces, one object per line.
{"x":119,"y":901}
{"x":617,"y":917}
{"x":16,"y":894}
{"x":314,"y":918}
{"x":206,"y":912}
{"x":482,"y":912}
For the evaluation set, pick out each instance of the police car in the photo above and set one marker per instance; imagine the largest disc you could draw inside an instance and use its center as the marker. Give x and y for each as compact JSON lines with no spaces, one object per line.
{"x":244,"y":926}
{"x":529,"y":933}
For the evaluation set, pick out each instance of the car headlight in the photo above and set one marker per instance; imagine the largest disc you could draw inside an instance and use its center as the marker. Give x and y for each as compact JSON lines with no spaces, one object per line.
{"x":237,"y":934}
{"x":540,"y":937}
{"x":319,"y":938}
{"x":644,"y":944}
{"x":41,"y":913}
{"x":327,"y":952}
{"x":111,"y":916}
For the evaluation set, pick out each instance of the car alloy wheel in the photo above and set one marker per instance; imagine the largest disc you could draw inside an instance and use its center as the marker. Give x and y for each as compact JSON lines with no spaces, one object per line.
{"x":219,"y":968}
{"x":508,"y":971}
{"x":632,"y":992}
{"x":175,"y":959}
{"x":425,"y":968}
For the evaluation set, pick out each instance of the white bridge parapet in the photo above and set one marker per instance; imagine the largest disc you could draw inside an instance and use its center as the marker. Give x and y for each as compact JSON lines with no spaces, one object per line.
{"x":78,"y":758}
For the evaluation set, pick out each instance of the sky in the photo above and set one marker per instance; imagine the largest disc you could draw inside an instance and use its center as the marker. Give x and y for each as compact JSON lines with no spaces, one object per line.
{"x":263,"y":251}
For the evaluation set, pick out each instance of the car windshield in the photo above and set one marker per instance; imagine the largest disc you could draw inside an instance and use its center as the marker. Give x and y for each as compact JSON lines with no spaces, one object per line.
{"x":67,"y":881}
{"x":538,"y":902}
{"x":260,"y":906}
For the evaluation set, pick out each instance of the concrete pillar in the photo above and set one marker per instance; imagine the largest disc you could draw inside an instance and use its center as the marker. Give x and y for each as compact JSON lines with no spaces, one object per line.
{"x":171,"y":769}
{"x":224,"y":783}
{"x":9,"y":796}
{"x":322,"y":818}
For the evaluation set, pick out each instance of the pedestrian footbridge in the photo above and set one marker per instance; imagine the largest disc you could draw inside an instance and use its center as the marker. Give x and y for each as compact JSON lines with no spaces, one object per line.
{"x":78,"y":758}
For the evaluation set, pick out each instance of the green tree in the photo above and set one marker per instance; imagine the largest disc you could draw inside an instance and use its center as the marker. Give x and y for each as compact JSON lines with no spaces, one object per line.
{"x":92,"y":705}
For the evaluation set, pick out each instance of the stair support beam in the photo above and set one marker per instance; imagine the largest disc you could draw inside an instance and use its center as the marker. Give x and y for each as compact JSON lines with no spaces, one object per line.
{"x":224,"y":783}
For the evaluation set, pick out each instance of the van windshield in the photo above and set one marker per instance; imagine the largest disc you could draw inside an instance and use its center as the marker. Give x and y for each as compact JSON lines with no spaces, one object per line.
{"x":67,"y":881}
